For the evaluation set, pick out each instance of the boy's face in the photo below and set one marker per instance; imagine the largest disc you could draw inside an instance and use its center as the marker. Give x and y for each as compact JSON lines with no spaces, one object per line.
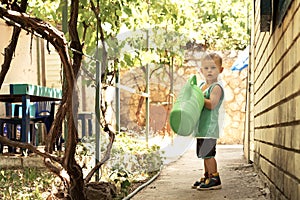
{"x":211,"y":70}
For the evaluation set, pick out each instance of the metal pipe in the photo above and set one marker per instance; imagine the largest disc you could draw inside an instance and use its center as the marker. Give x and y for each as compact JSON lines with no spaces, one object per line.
{"x":144,"y":185}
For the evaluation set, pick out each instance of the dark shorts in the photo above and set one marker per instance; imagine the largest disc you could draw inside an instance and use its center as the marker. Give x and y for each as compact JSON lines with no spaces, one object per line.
{"x":206,"y":148}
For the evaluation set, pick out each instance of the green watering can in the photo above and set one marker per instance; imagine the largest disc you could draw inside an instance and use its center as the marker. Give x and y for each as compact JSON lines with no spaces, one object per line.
{"x":187,"y":108}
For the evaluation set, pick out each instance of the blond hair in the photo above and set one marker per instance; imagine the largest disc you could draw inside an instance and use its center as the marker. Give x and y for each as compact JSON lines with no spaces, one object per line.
{"x":213,"y":56}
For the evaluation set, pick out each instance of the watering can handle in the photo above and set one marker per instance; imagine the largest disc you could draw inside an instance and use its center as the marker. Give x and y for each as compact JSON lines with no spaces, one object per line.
{"x":193,"y":80}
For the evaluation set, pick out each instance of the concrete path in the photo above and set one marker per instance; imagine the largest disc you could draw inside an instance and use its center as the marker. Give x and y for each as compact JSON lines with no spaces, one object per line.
{"x":239,"y":180}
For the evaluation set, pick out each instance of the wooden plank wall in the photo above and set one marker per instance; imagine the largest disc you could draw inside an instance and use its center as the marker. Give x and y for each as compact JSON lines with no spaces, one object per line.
{"x":274,"y":122}
{"x":53,"y":68}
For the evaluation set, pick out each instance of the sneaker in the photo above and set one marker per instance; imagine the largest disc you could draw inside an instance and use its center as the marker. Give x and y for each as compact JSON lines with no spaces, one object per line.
{"x":201,"y":181}
{"x":211,"y":183}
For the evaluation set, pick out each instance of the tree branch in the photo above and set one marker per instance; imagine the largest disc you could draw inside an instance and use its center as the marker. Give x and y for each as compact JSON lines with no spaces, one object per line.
{"x":107,"y":154}
{"x":57,"y":39}
{"x":5,"y":140}
{"x":57,"y":171}
{"x":69,"y":105}
{"x":72,"y":100}
{"x":10,"y":49}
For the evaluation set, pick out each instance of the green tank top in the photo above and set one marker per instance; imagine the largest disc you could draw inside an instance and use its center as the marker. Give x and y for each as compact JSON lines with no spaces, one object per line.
{"x":208,"y":124}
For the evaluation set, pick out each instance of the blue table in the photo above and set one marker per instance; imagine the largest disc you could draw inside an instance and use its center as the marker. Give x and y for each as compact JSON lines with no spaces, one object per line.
{"x":27,"y":93}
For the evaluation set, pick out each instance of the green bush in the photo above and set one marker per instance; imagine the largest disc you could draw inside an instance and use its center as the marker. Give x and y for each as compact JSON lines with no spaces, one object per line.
{"x":28,"y":183}
{"x":132,"y":161}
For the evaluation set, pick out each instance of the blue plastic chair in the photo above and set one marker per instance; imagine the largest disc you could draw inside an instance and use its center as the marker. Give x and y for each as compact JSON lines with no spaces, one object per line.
{"x":10,"y":125}
{"x":44,"y":113}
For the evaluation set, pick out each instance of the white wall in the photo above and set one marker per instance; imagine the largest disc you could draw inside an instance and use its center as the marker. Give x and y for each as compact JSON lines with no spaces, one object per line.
{"x":24,"y":64}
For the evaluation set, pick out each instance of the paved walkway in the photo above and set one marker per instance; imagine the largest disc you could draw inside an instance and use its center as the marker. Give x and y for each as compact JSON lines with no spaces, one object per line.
{"x":239,"y":180}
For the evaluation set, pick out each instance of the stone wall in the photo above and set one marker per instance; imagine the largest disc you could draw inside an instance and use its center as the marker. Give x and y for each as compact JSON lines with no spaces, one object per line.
{"x":161,"y":100}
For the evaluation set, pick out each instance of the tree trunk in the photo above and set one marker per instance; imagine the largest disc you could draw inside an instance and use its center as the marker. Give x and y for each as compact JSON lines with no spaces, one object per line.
{"x":75,"y":184}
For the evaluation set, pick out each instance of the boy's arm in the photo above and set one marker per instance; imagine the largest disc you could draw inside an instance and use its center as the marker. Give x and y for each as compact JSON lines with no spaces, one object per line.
{"x":214,"y":99}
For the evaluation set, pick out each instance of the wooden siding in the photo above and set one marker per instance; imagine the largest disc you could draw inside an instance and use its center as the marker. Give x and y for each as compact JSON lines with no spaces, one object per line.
{"x":53,"y":68}
{"x":274,"y":111}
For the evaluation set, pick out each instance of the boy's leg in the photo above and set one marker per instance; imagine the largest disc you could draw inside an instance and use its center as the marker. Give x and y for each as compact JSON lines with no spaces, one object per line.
{"x":213,"y":181}
{"x":199,"y":155}
{"x":210,"y":165}
{"x":204,"y":148}
{"x":208,"y":152}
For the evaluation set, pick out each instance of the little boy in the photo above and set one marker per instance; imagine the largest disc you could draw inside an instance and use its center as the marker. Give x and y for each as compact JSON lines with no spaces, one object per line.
{"x":207,"y":130}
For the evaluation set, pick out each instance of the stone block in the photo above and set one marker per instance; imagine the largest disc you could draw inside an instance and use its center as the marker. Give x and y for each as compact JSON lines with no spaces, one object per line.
{"x":279,"y":179}
{"x":258,"y":134}
{"x":297,"y":166}
{"x":278,"y":137}
{"x":10,"y":162}
{"x":297,"y":113}
{"x":270,"y":135}
{"x":290,"y":187}
{"x":264,"y":166}
{"x":266,"y":150}
{"x":33,"y":162}
{"x":281,"y":159}
{"x":296,"y":137}
{"x":298,"y":191}
{"x":288,"y":138}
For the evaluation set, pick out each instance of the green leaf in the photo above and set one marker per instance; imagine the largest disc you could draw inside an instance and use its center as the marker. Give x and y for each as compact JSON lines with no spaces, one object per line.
{"x":119,"y":12}
{"x":127,"y":10}
{"x":125,"y":184}
{"x":128,"y":60}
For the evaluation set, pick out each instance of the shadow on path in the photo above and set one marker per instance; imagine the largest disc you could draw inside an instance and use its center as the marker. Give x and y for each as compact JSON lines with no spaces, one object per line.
{"x":239,"y":180}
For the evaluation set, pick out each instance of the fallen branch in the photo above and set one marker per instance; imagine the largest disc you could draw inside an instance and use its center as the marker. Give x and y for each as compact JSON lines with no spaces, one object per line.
{"x":5,"y":140}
